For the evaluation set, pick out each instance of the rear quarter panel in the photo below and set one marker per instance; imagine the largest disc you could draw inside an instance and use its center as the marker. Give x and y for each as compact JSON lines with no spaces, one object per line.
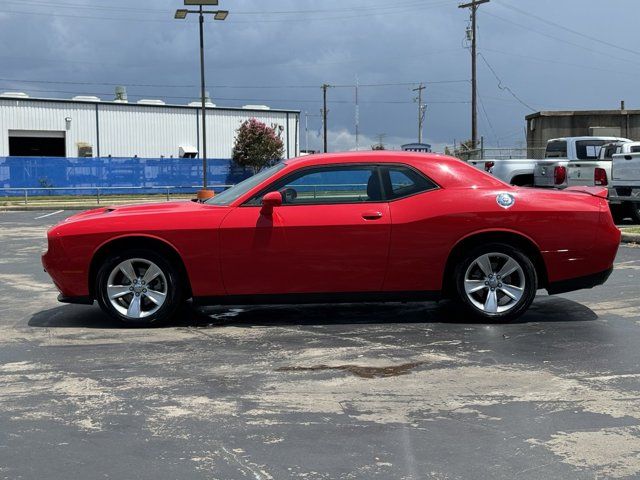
{"x":426,"y":228}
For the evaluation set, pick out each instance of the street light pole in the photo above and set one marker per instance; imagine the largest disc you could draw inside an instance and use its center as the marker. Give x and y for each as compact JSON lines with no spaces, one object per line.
{"x":181,"y":14}
{"x":203,"y":100}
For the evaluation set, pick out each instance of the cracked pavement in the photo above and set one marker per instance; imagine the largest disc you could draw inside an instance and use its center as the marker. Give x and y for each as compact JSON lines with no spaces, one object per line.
{"x":391,"y":391}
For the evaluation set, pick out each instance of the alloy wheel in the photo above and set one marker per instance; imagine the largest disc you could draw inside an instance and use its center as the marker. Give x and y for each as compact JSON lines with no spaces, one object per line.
{"x":494,"y":283}
{"x":137,"y":288}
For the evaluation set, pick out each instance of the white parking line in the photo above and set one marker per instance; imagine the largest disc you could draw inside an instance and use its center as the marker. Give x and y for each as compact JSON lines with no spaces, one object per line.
{"x":48,"y":214}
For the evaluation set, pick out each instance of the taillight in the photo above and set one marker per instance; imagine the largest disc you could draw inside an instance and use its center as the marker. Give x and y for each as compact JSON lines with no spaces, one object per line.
{"x":559,"y":175}
{"x":488,"y":166}
{"x":600,"y":177}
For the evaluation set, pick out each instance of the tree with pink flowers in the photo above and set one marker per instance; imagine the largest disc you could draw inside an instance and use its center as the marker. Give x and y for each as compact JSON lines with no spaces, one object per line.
{"x":257,"y":145}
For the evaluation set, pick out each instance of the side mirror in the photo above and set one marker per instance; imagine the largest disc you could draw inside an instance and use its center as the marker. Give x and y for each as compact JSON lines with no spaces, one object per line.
{"x":269,"y":202}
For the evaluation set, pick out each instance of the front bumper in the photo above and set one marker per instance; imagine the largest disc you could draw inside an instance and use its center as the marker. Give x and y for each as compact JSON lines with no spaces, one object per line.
{"x":572,"y":284}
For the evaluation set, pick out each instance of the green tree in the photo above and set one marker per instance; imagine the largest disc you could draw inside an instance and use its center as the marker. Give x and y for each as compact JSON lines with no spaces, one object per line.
{"x":257,"y":145}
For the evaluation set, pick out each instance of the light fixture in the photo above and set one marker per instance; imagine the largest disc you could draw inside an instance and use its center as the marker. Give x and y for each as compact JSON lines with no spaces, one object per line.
{"x":201,"y":2}
{"x":181,"y":14}
{"x":221,"y":15}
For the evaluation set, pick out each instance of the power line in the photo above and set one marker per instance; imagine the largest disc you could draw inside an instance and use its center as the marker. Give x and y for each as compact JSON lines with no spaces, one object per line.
{"x":567,"y":29}
{"x":375,"y":12}
{"x":257,"y":87}
{"x":558,"y":39}
{"x":501,"y":86}
{"x":246,"y":99}
{"x":160,"y":11}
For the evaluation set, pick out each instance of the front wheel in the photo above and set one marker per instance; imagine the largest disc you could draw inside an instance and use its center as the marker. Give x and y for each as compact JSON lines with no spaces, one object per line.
{"x":495,"y":282}
{"x":139,"y":288}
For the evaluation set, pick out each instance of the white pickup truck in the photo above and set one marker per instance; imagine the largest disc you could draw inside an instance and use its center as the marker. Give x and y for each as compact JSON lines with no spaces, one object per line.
{"x":560,"y":155}
{"x":624,"y":191}
{"x":515,"y":171}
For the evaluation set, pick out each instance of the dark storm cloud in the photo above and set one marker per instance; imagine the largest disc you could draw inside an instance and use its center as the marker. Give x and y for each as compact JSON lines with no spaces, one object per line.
{"x":138,"y":43}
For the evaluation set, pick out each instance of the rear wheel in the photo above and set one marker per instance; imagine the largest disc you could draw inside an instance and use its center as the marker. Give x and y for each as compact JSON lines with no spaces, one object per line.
{"x":139,"y":288}
{"x":495,"y":282}
{"x":634,"y":212}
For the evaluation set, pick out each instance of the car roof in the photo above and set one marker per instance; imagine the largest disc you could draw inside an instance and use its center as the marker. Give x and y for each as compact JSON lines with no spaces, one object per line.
{"x":611,"y":139}
{"x":443,"y":169}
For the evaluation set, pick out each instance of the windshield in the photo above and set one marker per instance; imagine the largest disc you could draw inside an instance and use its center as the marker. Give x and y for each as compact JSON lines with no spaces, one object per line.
{"x":235,"y":192}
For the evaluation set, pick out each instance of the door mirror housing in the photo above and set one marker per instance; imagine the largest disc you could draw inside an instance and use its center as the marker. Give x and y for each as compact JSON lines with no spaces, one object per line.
{"x":269,"y":202}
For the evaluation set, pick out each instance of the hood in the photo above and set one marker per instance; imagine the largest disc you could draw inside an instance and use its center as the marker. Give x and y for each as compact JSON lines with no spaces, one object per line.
{"x":141,"y":209}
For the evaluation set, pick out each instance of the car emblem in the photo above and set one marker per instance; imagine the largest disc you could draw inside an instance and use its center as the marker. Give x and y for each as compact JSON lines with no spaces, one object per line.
{"x":505,"y":200}
{"x":544,"y":171}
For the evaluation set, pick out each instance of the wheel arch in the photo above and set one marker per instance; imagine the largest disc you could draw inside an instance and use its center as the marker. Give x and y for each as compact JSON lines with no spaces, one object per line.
{"x":509,"y":237}
{"x":137,"y":242}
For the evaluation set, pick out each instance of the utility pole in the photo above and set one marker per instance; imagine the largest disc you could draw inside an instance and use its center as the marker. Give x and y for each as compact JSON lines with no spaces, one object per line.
{"x":421,"y":110}
{"x":357,"y":116}
{"x":324,"y":116}
{"x":306,"y":128}
{"x":473,"y":6}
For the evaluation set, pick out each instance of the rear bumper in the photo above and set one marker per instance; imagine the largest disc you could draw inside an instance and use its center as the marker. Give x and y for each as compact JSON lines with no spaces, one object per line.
{"x":624,"y":194}
{"x":588,"y":281}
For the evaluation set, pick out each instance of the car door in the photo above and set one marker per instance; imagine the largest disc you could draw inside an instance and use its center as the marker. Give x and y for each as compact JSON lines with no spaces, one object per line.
{"x":331,"y":234}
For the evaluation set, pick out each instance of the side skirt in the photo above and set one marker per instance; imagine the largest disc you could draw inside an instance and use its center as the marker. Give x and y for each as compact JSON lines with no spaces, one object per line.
{"x":77,"y":300}
{"x":302,"y":298}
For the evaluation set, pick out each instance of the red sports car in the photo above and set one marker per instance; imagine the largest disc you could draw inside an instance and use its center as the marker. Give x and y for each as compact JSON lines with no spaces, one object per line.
{"x":366,"y":226}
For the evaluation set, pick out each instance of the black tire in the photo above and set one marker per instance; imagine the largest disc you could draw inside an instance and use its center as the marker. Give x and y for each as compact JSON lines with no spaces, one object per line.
{"x":618,"y":213}
{"x":634,"y":211}
{"x":526,"y":279}
{"x":170,"y":280}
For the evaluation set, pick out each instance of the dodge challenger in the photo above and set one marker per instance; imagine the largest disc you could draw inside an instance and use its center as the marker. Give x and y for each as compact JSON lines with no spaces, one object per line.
{"x":344,"y":227}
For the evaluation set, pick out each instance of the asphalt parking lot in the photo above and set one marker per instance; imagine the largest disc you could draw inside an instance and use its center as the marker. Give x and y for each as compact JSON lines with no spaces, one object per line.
{"x":391,"y":391}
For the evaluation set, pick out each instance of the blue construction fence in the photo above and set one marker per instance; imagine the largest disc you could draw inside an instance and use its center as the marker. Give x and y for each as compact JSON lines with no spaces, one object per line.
{"x":142,"y":175}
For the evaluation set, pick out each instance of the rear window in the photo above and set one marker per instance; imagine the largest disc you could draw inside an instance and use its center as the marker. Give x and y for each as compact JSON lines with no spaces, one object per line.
{"x":557,"y":149}
{"x":589,"y":149}
{"x":609,"y":151}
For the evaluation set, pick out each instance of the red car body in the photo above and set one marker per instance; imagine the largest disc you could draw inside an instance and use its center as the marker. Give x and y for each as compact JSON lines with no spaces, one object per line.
{"x":235,"y":253}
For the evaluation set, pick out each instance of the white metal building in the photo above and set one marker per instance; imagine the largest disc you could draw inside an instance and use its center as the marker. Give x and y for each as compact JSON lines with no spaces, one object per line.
{"x":89,"y":127}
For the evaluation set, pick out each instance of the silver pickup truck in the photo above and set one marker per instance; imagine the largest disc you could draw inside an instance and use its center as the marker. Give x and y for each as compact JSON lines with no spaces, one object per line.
{"x":560,"y":152}
{"x":515,"y":171}
{"x":625,"y":180}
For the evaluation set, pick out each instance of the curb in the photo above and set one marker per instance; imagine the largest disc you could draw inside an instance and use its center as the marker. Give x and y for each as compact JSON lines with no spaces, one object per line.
{"x":45,"y":208}
{"x":630,"y":237}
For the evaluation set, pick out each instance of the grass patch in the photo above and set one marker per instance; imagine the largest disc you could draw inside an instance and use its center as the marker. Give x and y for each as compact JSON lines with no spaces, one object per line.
{"x":631,"y":229}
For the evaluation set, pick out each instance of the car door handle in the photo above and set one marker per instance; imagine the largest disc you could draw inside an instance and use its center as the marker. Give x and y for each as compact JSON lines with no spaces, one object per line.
{"x":372,"y":215}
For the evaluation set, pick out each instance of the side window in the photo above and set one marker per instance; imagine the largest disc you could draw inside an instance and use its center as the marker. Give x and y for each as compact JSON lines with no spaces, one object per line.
{"x":635,"y":149}
{"x":329,"y":185}
{"x":403,"y":181}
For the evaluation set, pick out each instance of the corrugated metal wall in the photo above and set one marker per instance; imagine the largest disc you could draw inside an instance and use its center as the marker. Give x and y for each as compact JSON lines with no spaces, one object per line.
{"x":50,"y":116}
{"x":146,"y":131}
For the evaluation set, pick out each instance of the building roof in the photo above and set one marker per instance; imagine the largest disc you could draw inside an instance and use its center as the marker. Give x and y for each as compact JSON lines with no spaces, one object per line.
{"x":573,"y":113}
{"x":145,"y":105}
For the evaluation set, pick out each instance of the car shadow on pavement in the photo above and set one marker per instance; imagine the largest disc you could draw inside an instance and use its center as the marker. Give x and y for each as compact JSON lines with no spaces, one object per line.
{"x":545,"y":309}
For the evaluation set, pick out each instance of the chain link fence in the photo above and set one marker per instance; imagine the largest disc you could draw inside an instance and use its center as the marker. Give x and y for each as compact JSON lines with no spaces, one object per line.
{"x":497,"y":153}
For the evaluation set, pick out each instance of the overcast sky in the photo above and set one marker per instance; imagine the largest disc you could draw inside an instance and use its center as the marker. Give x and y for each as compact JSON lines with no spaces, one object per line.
{"x":286,"y":49}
